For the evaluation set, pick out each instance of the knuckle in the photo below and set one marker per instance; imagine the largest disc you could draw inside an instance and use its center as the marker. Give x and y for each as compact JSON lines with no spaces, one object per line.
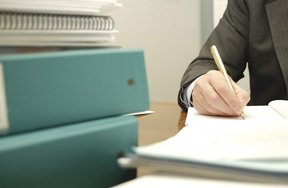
{"x":222,"y":88}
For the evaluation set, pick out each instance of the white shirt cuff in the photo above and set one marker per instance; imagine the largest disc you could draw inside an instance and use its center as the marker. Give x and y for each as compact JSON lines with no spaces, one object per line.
{"x":188,"y":91}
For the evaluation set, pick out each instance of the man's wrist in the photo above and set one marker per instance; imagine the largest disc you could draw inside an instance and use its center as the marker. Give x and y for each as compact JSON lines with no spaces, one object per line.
{"x":188,"y":92}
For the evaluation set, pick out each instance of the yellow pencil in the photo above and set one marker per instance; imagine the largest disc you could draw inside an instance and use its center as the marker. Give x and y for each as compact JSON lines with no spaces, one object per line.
{"x":222,"y":69}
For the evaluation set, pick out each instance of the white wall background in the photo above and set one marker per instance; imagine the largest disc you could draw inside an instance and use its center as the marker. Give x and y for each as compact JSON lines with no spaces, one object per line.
{"x":169,"y":33}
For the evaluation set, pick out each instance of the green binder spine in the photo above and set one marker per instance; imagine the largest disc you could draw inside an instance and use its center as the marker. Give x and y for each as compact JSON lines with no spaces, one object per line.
{"x":40,"y":90}
{"x":78,"y":155}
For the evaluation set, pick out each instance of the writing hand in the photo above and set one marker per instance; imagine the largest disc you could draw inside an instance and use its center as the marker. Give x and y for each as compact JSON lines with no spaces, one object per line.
{"x":213,"y":96}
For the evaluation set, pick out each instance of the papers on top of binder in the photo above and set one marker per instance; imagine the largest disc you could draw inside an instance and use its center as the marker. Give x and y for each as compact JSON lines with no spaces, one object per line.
{"x":47,"y":37}
{"x":80,"y":7}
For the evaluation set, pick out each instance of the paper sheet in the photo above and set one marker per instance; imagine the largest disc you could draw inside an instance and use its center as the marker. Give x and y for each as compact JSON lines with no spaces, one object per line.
{"x":169,"y":180}
{"x":280,"y":106}
{"x":252,"y":114}
{"x":262,"y":135}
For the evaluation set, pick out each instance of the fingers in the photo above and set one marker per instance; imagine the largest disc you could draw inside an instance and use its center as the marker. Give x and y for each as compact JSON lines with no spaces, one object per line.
{"x":213,"y":96}
{"x":206,"y":100}
{"x":233,"y":105}
{"x":242,"y":95}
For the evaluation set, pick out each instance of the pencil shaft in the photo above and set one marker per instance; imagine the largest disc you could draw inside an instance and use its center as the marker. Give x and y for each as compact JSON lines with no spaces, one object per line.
{"x":222,"y":69}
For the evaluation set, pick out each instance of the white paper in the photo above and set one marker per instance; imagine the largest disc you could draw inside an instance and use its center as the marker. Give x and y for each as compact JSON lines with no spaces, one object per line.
{"x":252,"y":113}
{"x":262,"y":135}
{"x":253,"y":140}
{"x":280,"y":106}
{"x":169,"y":180}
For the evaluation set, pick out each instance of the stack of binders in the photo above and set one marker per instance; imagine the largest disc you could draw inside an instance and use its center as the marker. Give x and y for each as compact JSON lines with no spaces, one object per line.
{"x":61,"y":116}
{"x":61,"y":112}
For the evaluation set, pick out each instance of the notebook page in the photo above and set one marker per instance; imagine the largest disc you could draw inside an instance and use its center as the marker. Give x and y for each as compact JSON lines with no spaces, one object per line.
{"x":252,"y":113}
{"x":263,"y":134}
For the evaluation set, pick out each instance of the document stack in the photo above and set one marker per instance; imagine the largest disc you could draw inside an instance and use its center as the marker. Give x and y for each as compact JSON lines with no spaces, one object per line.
{"x":228,"y":148}
{"x":57,"y":22}
{"x":63,"y":112}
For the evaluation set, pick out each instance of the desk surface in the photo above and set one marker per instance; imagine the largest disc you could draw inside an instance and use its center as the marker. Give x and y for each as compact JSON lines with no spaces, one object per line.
{"x":167,"y":120}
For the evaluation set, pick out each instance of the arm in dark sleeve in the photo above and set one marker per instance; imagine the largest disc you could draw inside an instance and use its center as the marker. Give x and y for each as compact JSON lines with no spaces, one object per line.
{"x":231,"y":38}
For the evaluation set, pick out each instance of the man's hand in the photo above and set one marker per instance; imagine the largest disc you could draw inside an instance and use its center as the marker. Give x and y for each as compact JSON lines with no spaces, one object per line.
{"x":213,"y":96}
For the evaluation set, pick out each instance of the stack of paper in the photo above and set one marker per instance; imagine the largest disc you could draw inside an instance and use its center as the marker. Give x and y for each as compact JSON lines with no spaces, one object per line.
{"x":85,"y":7}
{"x":172,"y":180}
{"x":254,"y":148}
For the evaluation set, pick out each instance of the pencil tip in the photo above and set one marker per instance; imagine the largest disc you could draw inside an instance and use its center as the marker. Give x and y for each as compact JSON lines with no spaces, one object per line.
{"x":242,"y":115}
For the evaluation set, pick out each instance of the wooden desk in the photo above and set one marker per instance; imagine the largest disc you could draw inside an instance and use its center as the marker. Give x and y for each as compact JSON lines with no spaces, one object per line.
{"x":167,"y":120}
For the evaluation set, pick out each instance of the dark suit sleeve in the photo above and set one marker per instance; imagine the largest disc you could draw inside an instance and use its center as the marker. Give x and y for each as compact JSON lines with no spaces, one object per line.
{"x":231,"y":38}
